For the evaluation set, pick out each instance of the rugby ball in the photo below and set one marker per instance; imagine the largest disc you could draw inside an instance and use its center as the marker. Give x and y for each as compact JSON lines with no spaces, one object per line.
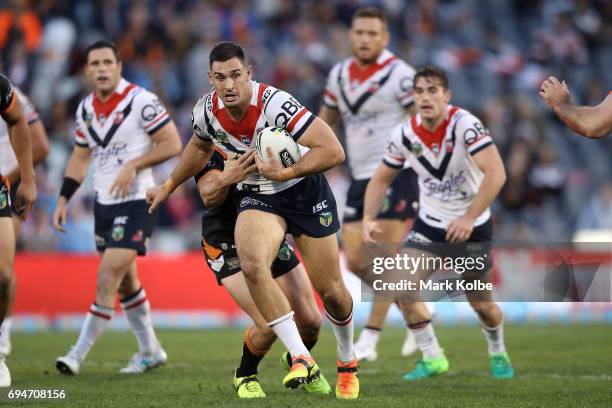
{"x":284,"y":148}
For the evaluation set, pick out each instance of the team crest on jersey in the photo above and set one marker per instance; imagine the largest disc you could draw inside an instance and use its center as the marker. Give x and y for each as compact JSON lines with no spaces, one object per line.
{"x":221,"y":136}
{"x":118,"y":232}
{"x":245,"y":139}
{"x":449,"y":146}
{"x":118,"y":118}
{"x":326,"y":218}
{"x":416,"y":149}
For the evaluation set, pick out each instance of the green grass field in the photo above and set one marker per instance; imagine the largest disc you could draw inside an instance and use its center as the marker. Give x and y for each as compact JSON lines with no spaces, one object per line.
{"x":557,"y":366}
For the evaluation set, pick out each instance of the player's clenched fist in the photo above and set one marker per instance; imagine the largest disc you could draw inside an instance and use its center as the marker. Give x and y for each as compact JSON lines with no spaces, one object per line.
{"x":155,"y":196}
{"x":554,"y":92}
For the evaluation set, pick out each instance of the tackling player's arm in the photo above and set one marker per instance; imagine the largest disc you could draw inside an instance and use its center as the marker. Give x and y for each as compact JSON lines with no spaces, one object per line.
{"x":593,"y":122}
{"x":167,"y":144}
{"x":197,"y":152}
{"x":215,"y":184}
{"x":374,"y":197}
{"x":490,"y":163}
{"x":325,"y":152}
{"x":75,"y":173}
{"x":40,"y":148}
{"x":19,"y":135}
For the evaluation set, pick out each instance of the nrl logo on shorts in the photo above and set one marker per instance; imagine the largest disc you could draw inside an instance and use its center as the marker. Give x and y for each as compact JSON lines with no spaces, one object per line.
{"x":3,"y":201}
{"x":221,"y":136}
{"x":416,"y":149}
{"x":325,"y":219}
{"x":118,"y":232}
{"x":284,"y":253}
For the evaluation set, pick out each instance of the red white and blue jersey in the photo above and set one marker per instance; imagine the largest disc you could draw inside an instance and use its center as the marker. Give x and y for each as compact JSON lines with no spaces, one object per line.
{"x":268,"y":107}
{"x":448,"y":176}
{"x":117,"y":131}
{"x":371,"y":101}
{"x":8,"y":161}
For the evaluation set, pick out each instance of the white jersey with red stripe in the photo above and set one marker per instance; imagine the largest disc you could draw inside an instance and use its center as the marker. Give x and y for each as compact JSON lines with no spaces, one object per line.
{"x":8,"y":161}
{"x":268,"y":107}
{"x":371,"y":101}
{"x":117,"y":131}
{"x":448,"y":176}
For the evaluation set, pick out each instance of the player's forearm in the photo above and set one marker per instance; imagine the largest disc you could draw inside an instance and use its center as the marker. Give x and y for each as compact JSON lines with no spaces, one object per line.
{"x":373,"y":199}
{"x":490,"y":187}
{"x":195,"y":156}
{"x":22,"y":146}
{"x":583,"y":120}
{"x":76,"y":168}
{"x":214,"y":190}
{"x":317,"y":160}
{"x":40,"y":149}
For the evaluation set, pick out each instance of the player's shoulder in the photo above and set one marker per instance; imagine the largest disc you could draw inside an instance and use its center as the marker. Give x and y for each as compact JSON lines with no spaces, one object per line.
{"x":402,"y":67}
{"x":203,"y":106}
{"x":462,"y":117}
{"x":272,"y":98}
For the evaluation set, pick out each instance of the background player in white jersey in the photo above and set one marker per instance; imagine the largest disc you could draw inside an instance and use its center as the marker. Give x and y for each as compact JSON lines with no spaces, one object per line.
{"x":19,"y":135}
{"x":460,"y":173}
{"x":124,"y":130}
{"x":274,"y":201}
{"x":372,"y":92}
{"x":10,"y":167}
{"x":217,"y":186}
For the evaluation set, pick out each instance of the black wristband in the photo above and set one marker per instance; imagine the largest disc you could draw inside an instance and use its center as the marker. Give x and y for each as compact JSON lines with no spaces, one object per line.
{"x":69,"y":187}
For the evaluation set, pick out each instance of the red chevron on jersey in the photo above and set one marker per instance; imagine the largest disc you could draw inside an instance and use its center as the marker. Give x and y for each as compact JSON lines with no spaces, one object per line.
{"x":435,"y":138}
{"x":104,"y":109}
{"x":246,"y":125}
{"x":360,"y":75}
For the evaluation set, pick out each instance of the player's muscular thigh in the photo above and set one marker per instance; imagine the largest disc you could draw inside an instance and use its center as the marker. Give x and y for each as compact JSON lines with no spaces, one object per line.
{"x":258,"y":236}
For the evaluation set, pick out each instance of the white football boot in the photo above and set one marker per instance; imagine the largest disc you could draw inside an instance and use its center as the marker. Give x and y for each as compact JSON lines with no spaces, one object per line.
{"x":141,"y":362}
{"x":5,"y":375}
{"x":68,"y":364}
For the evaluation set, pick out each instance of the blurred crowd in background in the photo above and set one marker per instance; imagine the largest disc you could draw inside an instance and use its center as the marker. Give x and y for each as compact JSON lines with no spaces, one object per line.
{"x":496,"y":52}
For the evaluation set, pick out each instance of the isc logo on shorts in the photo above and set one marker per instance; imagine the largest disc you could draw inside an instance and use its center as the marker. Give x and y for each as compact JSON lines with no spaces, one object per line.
{"x":319,"y":206}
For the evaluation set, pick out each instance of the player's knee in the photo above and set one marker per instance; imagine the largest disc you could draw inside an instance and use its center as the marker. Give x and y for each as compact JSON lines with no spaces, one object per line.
{"x":484,"y":309}
{"x":6,"y":275}
{"x":335,"y":296}
{"x":254,"y":270}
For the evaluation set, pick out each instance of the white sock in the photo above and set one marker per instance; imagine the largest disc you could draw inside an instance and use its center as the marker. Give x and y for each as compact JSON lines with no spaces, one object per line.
{"x":96,"y":321}
{"x":343,"y":329}
{"x":494,"y":337}
{"x":137,"y":310}
{"x":369,"y":337}
{"x":426,"y":339}
{"x":285,"y":329}
{"x":5,"y":336}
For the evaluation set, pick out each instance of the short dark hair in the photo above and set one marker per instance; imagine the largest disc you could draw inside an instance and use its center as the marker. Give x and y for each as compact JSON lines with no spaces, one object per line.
{"x":225,"y":51}
{"x":370,"y":12}
{"x":103,"y":44}
{"x":431,"y":71}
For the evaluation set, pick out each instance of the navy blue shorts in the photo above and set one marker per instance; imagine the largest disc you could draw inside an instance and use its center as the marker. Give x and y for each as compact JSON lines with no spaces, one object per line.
{"x":126,"y":225}
{"x":401,"y":199}
{"x":433,"y":240}
{"x":309,"y":207}
{"x":5,"y":198}
{"x":223,"y":259}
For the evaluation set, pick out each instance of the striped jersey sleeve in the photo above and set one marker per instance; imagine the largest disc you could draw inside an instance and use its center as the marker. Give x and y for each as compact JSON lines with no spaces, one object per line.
{"x":474,"y":134}
{"x":284,"y":111}
{"x":152,"y":113}
{"x":395,"y":152}
{"x":330,"y":95}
